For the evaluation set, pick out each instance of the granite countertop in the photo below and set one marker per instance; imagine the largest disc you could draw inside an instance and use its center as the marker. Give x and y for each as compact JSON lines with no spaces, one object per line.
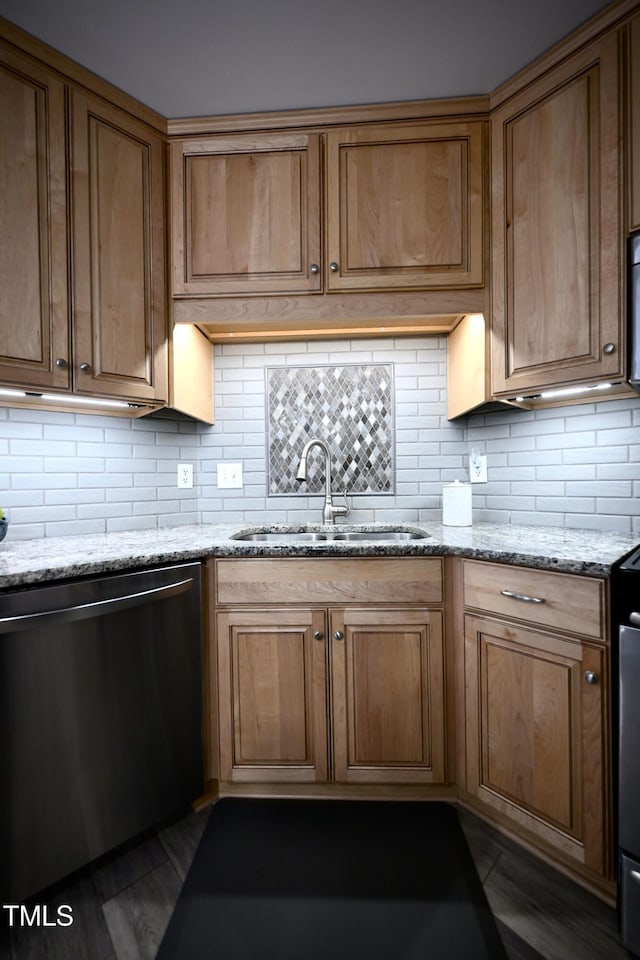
{"x":44,"y":560}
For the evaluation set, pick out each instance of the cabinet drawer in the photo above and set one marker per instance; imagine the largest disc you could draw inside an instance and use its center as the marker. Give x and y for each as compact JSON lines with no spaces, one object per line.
{"x":561,"y":601}
{"x":292,"y":580}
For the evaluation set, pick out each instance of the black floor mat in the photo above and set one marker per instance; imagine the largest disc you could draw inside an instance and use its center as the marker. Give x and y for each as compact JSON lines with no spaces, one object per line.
{"x":311,"y":879}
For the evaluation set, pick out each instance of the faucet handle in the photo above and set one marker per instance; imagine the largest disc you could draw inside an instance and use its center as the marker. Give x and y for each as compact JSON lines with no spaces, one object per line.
{"x":346,"y":507}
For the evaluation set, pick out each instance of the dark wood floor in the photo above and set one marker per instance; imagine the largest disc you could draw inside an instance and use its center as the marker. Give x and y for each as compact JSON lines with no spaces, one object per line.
{"x":122,"y":905}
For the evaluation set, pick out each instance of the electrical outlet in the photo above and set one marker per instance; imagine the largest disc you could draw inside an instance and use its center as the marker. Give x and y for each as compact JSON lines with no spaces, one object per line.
{"x":229,"y":476}
{"x":185,"y":476}
{"x":477,"y":467}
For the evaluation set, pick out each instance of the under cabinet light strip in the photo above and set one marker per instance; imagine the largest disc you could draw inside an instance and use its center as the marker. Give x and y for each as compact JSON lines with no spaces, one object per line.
{"x":566,"y":392}
{"x":62,"y":398}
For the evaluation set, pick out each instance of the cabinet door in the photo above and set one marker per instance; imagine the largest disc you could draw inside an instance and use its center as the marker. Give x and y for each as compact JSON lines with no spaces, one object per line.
{"x":387,"y":696}
{"x":556,"y":293}
{"x":34,"y":320}
{"x":633,"y":121}
{"x":272,"y":696}
{"x":535,"y":735}
{"x":405,"y":206}
{"x":246,"y":214}
{"x":120,"y":321}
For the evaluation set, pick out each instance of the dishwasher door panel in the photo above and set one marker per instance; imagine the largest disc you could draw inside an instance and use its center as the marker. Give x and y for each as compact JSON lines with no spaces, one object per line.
{"x":100,"y":718}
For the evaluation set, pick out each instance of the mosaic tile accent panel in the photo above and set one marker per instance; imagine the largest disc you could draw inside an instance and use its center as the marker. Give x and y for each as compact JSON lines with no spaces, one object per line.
{"x":350,"y":407}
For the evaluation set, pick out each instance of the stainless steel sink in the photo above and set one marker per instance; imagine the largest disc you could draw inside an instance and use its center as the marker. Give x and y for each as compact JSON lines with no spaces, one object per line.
{"x":306,"y":536}
{"x":389,"y":536}
{"x":281,"y":537}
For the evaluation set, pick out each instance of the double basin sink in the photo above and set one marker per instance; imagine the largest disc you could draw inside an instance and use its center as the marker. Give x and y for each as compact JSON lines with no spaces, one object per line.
{"x":319,"y":536}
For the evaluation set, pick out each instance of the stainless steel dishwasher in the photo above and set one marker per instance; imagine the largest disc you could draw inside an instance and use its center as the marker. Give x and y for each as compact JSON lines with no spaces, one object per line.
{"x":100,"y":718}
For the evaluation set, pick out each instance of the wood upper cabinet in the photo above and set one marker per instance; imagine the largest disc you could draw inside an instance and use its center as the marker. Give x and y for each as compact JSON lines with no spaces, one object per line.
{"x":555,"y":268}
{"x":120,"y":323}
{"x":387,"y":682}
{"x":404,"y":210}
{"x":536,"y":679}
{"x":34,"y":308}
{"x":633,"y":124}
{"x":405,"y":206}
{"x":272,"y":690}
{"x":246,"y":214}
{"x":106,"y":335}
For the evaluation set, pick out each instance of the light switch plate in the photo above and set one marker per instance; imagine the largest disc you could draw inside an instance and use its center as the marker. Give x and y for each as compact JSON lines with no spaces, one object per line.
{"x":229,"y":476}
{"x":478,"y":467}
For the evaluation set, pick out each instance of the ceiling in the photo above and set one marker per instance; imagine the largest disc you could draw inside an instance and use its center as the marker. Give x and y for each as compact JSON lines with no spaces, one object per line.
{"x":206,"y":57}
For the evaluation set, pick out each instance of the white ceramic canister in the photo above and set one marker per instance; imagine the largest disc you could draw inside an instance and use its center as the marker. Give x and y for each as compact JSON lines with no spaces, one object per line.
{"x":456,"y":504}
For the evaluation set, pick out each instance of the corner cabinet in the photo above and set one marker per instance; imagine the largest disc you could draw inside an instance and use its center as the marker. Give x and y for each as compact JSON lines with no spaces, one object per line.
{"x":325,"y":689}
{"x":536,"y":672}
{"x":90,"y":207}
{"x":556,"y":230}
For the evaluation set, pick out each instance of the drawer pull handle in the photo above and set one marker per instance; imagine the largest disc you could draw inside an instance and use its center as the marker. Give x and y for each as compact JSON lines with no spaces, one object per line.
{"x":522,"y":596}
{"x":590,"y":676}
{"x":338,"y":635}
{"x":318,"y":635}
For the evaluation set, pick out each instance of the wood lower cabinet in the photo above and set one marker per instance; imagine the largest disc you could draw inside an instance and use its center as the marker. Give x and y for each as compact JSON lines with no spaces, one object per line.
{"x":537,"y":752}
{"x":387,"y":696}
{"x":369,"y":693}
{"x":556,"y":287}
{"x":272,"y":694}
{"x":310,"y":692}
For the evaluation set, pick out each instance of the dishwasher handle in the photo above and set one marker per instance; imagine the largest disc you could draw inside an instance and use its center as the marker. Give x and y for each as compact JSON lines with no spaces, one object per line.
{"x":96,"y":608}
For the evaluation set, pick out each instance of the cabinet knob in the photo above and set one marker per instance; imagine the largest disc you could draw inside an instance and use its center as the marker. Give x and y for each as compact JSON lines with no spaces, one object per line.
{"x":318,"y":635}
{"x":590,"y":676}
{"x":314,"y":268}
{"x":61,"y":363}
{"x":338,"y":635}
{"x":333,"y":266}
{"x":85,"y":367}
{"x":609,"y":348}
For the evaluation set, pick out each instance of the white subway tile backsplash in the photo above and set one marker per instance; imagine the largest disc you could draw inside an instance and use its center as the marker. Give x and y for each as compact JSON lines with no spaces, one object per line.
{"x":130,"y":523}
{"x":611,"y":437}
{"x":591,"y":454}
{"x":67,"y":473}
{"x":597,"y":522}
{"x":71,"y":528}
{"x":561,"y":441}
{"x":600,"y":488}
{"x":614,"y":471}
{"x":82,"y":464}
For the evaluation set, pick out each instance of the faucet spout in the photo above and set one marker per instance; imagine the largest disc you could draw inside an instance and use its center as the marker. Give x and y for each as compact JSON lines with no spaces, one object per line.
{"x":330,"y":510}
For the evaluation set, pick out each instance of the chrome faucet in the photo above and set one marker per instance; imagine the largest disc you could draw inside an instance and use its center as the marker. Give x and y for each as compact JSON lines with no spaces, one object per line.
{"x":330,"y":510}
